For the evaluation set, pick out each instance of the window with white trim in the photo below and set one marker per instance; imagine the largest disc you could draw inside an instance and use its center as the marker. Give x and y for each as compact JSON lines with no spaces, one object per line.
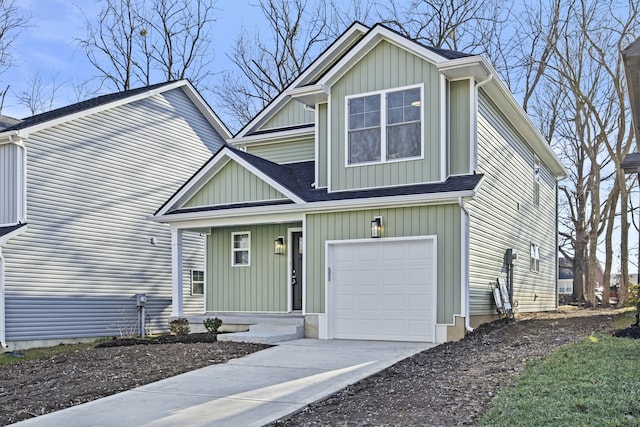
{"x":384,"y":126}
{"x":535,"y":258}
{"x":536,"y":181}
{"x":197,"y":282}
{"x":241,"y":249}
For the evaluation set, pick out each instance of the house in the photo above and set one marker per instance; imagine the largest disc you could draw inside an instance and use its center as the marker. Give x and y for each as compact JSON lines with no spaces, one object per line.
{"x":376,"y":198}
{"x":77,"y":187}
{"x":565,"y":277}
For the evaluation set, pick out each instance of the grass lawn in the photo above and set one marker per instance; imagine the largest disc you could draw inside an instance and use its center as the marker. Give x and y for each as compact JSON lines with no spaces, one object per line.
{"x":592,"y":383}
{"x":19,"y":356}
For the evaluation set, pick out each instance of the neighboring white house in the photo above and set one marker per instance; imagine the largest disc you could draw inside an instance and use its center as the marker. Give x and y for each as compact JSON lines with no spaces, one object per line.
{"x":77,"y":186}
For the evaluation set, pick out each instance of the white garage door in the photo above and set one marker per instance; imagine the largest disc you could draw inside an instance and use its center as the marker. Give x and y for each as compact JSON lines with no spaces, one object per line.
{"x":382,"y":290}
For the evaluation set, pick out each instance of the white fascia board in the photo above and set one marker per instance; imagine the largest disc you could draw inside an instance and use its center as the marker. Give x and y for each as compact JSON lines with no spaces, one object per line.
{"x":316,"y":207}
{"x":195,"y":183}
{"x":369,"y":41}
{"x":292,"y":196}
{"x":523,"y":123}
{"x":346,"y":39}
{"x":211,"y":169}
{"x":479,"y":68}
{"x":309,"y":95}
{"x":206,"y":110}
{"x":283,"y":136}
{"x":66,"y":118}
{"x":5,"y":238}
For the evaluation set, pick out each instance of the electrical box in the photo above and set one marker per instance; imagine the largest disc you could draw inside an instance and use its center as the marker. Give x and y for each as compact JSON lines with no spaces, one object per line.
{"x":511,"y":256}
{"x":141,"y":300}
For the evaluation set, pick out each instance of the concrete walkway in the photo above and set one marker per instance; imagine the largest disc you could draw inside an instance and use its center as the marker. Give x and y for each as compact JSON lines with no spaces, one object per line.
{"x":251,"y":391}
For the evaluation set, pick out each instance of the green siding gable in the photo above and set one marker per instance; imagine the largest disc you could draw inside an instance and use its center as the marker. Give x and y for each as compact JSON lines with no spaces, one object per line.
{"x":386,"y":66}
{"x":285,"y":152}
{"x":292,"y":114}
{"x":459,"y":127}
{"x":233,"y":184}
{"x":443,"y":221}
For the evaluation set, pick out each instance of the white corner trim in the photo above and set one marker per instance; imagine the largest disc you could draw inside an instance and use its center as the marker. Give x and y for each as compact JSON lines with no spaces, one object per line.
{"x":443,"y":128}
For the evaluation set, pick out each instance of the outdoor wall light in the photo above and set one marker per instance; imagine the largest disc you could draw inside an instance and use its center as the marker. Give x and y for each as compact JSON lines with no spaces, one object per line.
{"x":278,"y":245}
{"x":376,"y":227}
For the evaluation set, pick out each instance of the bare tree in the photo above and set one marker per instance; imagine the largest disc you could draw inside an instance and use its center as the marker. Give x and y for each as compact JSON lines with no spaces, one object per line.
{"x":146,"y":41}
{"x":267,"y":65}
{"x":39,"y":95}
{"x":12,"y":21}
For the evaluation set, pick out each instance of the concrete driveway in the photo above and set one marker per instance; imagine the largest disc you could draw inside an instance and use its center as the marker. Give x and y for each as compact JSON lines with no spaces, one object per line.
{"x":251,"y":391}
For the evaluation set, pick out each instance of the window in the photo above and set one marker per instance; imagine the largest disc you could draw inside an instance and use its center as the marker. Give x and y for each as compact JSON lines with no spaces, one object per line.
{"x":536,"y":181}
{"x":385,"y":126}
{"x":240,"y":249}
{"x":535,"y":258}
{"x":565,"y":287}
{"x":197,"y":282}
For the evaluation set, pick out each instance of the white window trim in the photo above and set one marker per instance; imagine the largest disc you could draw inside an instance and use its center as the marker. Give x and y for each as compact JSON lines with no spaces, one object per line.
{"x":198,"y":281}
{"x":234,"y":250}
{"x":537,"y":171}
{"x":383,"y":125}
{"x":534,"y":258}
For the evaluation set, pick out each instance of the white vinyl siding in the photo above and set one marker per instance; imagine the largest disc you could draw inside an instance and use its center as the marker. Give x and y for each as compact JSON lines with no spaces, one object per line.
{"x":11,"y":183}
{"x":92,"y":185}
{"x":503,"y":216}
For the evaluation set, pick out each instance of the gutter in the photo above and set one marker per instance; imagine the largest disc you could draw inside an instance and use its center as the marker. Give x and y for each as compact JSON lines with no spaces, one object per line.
{"x":465,"y":264}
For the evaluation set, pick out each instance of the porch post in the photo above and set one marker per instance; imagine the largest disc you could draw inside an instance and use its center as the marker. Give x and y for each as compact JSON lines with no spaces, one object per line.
{"x":176,"y":273}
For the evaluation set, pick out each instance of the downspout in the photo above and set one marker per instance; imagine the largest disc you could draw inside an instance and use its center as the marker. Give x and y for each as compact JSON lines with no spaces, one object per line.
{"x":465,"y":264}
{"x":3,"y":340}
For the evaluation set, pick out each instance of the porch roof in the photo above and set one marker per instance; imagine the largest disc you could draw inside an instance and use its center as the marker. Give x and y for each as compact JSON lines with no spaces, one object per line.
{"x":299,"y":179}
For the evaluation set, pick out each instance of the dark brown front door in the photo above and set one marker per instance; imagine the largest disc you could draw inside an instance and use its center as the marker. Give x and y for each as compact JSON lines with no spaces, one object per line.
{"x":296,"y":270}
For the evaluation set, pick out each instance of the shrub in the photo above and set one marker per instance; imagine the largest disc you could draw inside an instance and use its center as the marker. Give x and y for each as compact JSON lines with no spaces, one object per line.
{"x":180,"y":326}
{"x":212,"y":325}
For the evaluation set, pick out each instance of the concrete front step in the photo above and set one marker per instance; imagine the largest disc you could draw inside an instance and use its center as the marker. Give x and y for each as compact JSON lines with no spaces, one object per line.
{"x":263,"y":329}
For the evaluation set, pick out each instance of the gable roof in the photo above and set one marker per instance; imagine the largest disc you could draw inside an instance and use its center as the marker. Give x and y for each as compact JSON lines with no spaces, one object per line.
{"x":351,"y":41}
{"x":104,"y":102}
{"x":7,"y":122}
{"x":295,"y":180}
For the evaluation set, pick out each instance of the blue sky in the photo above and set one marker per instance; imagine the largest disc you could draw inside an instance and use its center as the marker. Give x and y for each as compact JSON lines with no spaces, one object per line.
{"x":48,"y":45}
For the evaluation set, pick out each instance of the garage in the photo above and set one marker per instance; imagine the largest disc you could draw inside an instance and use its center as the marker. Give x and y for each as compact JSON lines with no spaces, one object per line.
{"x":382,"y":289}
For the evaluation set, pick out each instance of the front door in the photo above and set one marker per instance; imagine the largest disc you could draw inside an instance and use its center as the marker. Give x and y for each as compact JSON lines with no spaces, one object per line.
{"x":296,"y":270}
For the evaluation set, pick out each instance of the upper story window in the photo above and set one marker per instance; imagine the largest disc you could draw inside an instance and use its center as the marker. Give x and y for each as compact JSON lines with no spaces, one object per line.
{"x":240,"y":249}
{"x":536,"y":181}
{"x":384,"y":126}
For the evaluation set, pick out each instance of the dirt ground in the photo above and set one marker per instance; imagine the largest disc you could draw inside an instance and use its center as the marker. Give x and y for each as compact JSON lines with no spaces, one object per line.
{"x":450,"y":384}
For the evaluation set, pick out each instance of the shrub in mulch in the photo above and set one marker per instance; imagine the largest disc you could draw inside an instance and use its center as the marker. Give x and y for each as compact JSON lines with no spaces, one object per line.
{"x":631,"y":332}
{"x":161,"y":339}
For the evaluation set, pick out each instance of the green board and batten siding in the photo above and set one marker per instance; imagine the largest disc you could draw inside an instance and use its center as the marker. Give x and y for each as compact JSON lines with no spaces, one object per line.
{"x":459,"y":114}
{"x":441,"y":220}
{"x":233,"y":184}
{"x":504,"y":216}
{"x":292,"y":114}
{"x":386,"y":66}
{"x":323,"y":141}
{"x":260,"y":287}
{"x":301,"y":150}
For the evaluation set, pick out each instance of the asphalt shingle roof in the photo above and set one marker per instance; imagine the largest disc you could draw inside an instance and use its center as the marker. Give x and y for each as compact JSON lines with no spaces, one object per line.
{"x":79,"y":107}
{"x":299,"y":177}
{"x":10,"y":228}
